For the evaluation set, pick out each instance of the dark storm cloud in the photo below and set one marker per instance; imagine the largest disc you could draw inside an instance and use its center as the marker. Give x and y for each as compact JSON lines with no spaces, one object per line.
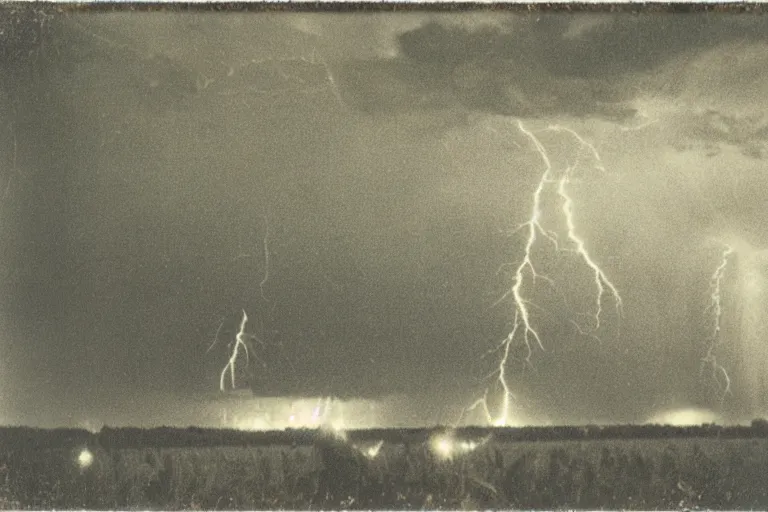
{"x":487,"y":70}
{"x":613,"y":45}
{"x":537,"y":65}
{"x":713,"y":131}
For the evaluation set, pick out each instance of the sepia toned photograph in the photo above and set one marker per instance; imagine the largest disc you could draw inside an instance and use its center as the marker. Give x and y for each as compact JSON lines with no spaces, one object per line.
{"x":383,"y":257}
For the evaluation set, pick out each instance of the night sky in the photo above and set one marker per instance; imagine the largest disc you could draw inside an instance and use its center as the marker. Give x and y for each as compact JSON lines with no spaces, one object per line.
{"x":151,"y":161}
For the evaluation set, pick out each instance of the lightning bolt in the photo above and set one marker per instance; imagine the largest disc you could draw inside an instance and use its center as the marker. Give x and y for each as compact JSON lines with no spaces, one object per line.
{"x":216,"y":337}
{"x":285,"y":69}
{"x":14,"y":169}
{"x":231,"y":363}
{"x":242,"y":341}
{"x":602,"y":283}
{"x":523,"y":330}
{"x":266,"y":258}
{"x":317,"y":58}
{"x":500,"y":373}
{"x":715,"y":306}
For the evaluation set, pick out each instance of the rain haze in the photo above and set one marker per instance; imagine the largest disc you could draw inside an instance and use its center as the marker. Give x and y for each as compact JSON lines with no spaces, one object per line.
{"x":486,"y":217}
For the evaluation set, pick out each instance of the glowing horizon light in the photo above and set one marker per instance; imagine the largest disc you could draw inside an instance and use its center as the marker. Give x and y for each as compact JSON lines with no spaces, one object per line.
{"x":442,"y":446}
{"x":685,"y":417}
{"x":85,"y":458}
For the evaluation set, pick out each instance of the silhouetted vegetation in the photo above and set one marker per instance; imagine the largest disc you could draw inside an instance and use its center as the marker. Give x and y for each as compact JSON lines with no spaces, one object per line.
{"x":656,"y":468}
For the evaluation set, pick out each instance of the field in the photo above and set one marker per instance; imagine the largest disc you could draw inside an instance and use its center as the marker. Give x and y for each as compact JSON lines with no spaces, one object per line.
{"x":647,"y":467}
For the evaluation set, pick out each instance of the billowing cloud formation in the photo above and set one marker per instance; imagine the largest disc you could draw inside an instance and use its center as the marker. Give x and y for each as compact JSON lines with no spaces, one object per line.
{"x":538,"y":66}
{"x":714,"y":131}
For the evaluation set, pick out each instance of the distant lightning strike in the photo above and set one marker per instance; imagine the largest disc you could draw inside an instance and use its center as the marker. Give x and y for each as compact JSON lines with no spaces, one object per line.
{"x":500,"y":373}
{"x":216,"y":337}
{"x":715,"y":306}
{"x":241,"y":339}
{"x":231,"y":364}
{"x":522,"y":327}
{"x":317,"y":58}
{"x":14,"y":170}
{"x":266,"y":258}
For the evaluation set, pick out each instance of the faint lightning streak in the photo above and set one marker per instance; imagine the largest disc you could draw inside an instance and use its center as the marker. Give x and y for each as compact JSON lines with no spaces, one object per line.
{"x":13,"y":168}
{"x":644,"y":124}
{"x":266,"y":258}
{"x":715,"y":306}
{"x":583,"y":332}
{"x":215,"y":338}
{"x":582,"y":142}
{"x":230,"y":366}
{"x":480,"y":402}
{"x":317,"y":58}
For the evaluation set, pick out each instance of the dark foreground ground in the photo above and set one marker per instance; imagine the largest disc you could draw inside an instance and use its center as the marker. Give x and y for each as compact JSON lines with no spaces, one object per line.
{"x":628,"y":467}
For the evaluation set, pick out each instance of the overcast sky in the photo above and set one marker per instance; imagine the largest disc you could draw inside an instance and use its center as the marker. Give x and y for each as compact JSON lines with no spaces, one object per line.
{"x":147,"y":157}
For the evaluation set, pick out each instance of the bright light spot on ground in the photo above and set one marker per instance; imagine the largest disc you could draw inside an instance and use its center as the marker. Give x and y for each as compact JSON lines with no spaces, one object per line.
{"x":373,"y":451}
{"x":442,"y":446}
{"x":370,"y":451}
{"x":446,"y":447}
{"x":685,"y":417}
{"x":85,"y":459}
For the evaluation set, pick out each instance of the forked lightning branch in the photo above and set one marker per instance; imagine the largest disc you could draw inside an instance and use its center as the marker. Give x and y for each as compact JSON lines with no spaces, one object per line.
{"x":526,"y":271}
{"x":715,"y":307}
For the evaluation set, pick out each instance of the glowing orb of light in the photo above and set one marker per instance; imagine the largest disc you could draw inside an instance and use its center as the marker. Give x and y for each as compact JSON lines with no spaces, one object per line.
{"x":85,"y":458}
{"x":684,"y":417}
{"x":443,"y":446}
{"x":373,"y":451}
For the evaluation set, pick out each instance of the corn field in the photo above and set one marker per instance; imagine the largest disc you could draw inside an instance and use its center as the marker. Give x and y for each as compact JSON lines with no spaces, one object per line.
{"x":45,"y":470}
